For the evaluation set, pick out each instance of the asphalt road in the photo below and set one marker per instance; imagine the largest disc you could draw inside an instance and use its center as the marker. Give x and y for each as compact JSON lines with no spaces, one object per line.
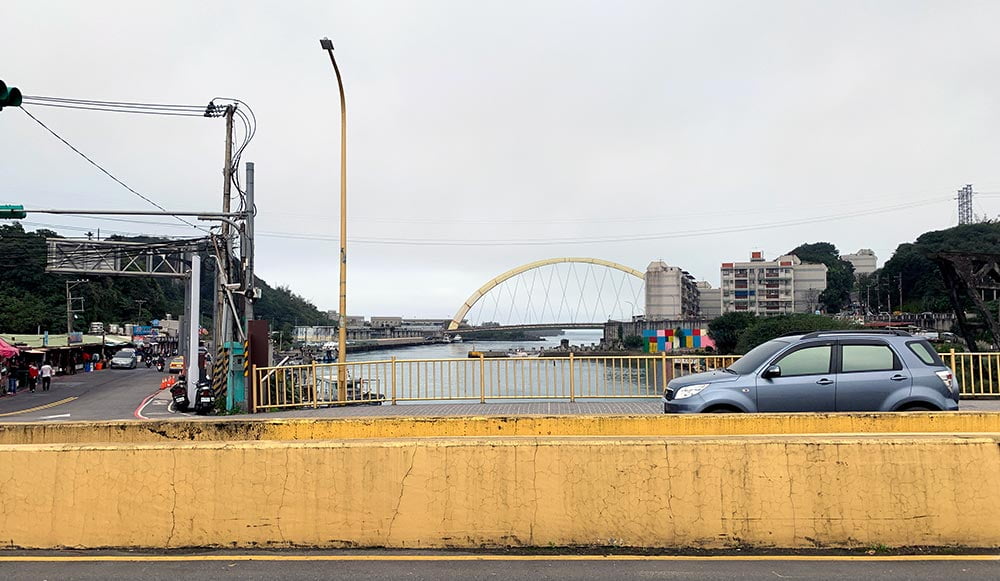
{"x":464,"y":567}
{"x":110,"y":394}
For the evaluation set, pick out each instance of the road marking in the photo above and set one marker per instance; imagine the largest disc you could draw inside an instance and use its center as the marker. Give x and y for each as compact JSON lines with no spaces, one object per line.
{"x":54,"y":417}
{"x":270,"y":557}
{"x":40,"y":407}
{"x":145,"y":402}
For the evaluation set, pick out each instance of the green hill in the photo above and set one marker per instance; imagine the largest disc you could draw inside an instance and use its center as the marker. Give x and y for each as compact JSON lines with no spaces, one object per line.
{"x":32,"y":299}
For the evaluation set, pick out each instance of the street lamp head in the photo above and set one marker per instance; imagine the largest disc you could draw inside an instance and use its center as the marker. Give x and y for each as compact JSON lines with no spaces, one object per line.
{"x":326,"y":43}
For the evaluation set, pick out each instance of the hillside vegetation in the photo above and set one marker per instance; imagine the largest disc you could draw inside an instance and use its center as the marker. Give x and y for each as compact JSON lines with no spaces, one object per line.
{"x":32,"y":299}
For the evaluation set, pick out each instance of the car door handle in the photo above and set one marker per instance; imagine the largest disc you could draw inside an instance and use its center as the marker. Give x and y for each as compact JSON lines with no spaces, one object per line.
{"x":898,"y":377}
{"x":825,"y":381}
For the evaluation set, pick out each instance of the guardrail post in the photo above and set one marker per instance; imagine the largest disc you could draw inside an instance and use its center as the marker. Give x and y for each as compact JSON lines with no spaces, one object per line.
{"x":254,"y":384}
{"x":482,"y":378}
{"x":315,"y":386}
{"x":954,"y":371}
{"x":572,"y":379}
{"x":663,"y":370}
{"x":392,"y":373}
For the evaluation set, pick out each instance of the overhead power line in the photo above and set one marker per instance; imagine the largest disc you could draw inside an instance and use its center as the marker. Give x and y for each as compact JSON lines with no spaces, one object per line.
{"x":609,"y":239}
{"x":123,"y":106}
{"x":106,"y":172}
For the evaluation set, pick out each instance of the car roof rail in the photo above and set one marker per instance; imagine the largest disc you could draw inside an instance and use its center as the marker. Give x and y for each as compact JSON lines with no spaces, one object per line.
{"x":895,"y":332}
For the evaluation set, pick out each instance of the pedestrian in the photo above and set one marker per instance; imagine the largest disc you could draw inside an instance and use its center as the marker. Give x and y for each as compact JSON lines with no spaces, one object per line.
{"x":12,"y":372}
{"x":32,"y":377}
{"x":46,"y":373}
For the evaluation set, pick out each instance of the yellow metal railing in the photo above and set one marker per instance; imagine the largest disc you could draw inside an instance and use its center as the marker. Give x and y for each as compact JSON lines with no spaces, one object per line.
{"x":505,"y":378}
{"x":475,"y":379}
{"x":978,"y":374}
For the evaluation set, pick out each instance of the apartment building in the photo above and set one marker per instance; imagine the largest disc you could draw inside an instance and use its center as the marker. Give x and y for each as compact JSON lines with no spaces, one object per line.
{"x":864,"y":261}
{"x":776,"y":287}
{"x":709,"y":300}
{"x":670,"y":292}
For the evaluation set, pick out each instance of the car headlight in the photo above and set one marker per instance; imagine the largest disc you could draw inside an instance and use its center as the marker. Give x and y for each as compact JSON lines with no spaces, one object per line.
{"x":690,"y":390}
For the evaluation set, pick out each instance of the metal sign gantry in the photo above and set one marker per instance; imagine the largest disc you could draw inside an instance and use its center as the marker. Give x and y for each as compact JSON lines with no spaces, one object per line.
{"x":111,"y":257}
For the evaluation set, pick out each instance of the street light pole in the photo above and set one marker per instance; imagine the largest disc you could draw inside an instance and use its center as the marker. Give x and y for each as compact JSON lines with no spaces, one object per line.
{"x":327,"y":45}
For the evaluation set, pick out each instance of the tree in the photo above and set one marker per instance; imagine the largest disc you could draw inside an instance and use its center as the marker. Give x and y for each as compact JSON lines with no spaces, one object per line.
{"x":767,"y":328}
{"x":839,"y":274}
{"x":725,"y":330}
{"x":632,"y":342}
{"x":31,"y":298}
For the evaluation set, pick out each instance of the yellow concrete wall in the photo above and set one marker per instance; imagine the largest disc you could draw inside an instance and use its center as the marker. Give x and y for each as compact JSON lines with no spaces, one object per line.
{"x":565,"y":425}
{"x":782,"y":491}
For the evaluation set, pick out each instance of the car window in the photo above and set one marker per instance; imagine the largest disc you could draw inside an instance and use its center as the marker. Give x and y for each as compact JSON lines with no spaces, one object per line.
{"x":924,"y":351}
{"x":757,"y":356}
{"x":868,"y":358}
{"x":806,"y":361}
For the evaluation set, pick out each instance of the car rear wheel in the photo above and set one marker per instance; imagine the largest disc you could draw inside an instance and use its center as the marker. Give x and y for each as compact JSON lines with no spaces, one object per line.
{"x":918,"y":408}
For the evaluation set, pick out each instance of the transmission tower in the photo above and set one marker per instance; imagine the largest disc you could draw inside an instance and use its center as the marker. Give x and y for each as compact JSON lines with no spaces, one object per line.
{"x":965,"y":205}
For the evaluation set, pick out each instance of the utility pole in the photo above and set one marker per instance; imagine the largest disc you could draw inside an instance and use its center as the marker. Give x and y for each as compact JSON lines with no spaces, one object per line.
{"x":139,"y":314}
{"x":247,"y":248}
{"x":901,"y":291}
{"x":221,"y":323}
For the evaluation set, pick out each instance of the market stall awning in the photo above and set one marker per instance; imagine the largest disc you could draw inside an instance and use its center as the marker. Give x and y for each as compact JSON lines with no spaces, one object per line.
{"x":7,"y":350}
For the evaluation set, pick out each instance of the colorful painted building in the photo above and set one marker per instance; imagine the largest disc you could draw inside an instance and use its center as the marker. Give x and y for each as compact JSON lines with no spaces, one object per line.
{"x":660,"y":340}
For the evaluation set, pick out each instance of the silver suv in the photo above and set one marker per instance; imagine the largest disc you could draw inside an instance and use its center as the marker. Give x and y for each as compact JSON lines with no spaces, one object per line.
{"x":825,"y":371}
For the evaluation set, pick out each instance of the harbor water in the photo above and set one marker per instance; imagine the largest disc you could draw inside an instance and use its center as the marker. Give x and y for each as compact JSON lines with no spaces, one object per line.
{"x":576,"y":337}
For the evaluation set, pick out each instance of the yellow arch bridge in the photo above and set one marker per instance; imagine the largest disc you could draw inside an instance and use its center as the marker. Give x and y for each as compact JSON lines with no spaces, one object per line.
{"x":482,"y":291}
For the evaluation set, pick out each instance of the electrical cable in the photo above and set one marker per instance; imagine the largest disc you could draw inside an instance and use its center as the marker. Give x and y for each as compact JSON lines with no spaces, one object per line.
{"x":106,"y":172}
{"x":124,"y":104}
{"x":602,"y":240}
{"x":112,"y":110}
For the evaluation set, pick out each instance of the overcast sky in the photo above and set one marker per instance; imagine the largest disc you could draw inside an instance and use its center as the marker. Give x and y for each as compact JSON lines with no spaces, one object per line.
{"x":692,"y":132}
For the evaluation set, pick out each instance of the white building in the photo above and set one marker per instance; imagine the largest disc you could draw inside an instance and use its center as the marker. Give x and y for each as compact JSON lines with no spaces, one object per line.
{"x":709,"y":299}
{"x":777,"y":287}
{"x":671,"y":293}
{"x":864,"y":261}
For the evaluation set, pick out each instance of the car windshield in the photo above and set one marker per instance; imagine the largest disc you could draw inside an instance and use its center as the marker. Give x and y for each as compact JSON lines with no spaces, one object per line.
{"x":757,"y":356}
{"x":123,"y":354}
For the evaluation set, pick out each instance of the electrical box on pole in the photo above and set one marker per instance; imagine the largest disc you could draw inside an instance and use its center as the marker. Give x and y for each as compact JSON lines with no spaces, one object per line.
{"x":235,"y":379}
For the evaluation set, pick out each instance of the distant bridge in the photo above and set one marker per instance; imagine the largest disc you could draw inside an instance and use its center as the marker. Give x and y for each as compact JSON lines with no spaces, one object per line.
{"x":560,"y":295}
{"x":528,"y":327}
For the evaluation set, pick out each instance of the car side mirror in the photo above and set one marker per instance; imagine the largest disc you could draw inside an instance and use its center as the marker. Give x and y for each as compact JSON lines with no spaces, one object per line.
{"x":772,"y":371}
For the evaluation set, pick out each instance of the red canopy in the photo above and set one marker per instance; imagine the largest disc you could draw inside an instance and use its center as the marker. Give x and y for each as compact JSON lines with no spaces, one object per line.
{"x":7,"y":350}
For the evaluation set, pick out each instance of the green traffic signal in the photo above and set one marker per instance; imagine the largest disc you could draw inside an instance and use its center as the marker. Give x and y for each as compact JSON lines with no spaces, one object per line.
{"x":12,"y":212}
{"x":9,"y":97}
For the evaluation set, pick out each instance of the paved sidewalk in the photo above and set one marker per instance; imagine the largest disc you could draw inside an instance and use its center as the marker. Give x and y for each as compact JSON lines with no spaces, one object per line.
{"x":621,"y":407}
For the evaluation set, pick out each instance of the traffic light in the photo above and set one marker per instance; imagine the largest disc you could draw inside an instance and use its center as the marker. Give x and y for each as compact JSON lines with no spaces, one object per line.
{"x":9,"y":97}
{"x":12,"y":211}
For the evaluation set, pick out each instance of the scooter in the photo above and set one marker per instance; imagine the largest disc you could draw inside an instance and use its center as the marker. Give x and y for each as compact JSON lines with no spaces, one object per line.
{"x":159,"y":365}
{"x":204,"y":398}
{"x":149,"y":362}
{"x":179,"y":394}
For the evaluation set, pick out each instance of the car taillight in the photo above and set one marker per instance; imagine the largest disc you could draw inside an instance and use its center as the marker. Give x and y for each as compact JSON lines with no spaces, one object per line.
{"x":945,"y":377}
